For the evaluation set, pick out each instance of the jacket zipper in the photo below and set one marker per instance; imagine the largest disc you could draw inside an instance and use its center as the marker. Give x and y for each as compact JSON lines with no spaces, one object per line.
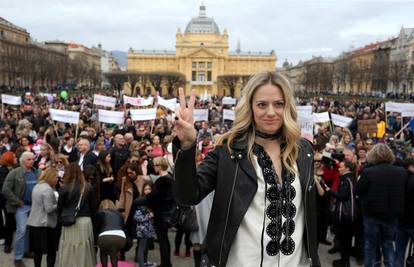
{"x":307,"y":189}
{"x":228,"y":212}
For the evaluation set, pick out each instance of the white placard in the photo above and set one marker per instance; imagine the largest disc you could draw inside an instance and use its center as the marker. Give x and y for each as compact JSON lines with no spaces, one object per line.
{"x":11,"y":99}
{"x":138,"y":101}
{"x":229,"y":101}
{"x":304,"y":110}
{"x":341,"y":121}
{"x":143,"y":114}
{"x":107,"y":116}
{"x":407,"y":114}
{"x":64,"y":115}
{"x":320,"y":117}
{"x":105,"y":101}
{"x":399,"y":107}
{"x":228,"y":114}
{"x":306,"y":127}
{"x":168,"y":103}
{"x":200,"y":114}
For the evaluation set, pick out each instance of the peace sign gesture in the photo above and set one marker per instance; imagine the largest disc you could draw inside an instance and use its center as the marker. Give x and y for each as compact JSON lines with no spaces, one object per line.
{"x":184,"y":120}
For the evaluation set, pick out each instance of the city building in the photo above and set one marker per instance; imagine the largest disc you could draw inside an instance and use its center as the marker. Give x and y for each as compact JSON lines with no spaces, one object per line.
{"x":202,"y":56}
{"x":401,"y":79}
{"x":27,"y":63}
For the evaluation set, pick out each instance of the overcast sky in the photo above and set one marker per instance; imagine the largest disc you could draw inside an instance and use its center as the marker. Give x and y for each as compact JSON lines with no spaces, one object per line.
{"x":294,"y":29}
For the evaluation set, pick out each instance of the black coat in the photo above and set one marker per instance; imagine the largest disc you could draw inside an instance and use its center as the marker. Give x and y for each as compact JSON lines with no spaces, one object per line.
{"x":108,"y":220}
{"x":381,"y":189}
{"x":89,"y":159}
{"x":160,"y":200}
{"x":118,"y":157}
{"x":408,"y":219}
{"x":234,"y":180}
{"x":342,"y":195}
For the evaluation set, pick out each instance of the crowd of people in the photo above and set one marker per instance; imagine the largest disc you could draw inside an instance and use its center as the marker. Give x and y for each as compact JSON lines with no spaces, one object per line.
{"x":67,"y":189}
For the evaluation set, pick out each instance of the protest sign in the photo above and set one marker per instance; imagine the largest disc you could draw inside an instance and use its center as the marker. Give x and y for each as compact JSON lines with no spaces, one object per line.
{"x":304,"y":110}
{"x":399,"y":107}
{"x":168,"y":103}
{"x":64,"y":116}
{"x":320,"y":117}
{"x":367,"y":126}
{"x":341,"y":121}
{"x":228,"y":114}
{"x":11,"y":99}
{"x":107,"y":116}
{"x":306,"y":127}
{"x":105,"y":101}
{"x":143,"y":114}
{"x":229,"y":101}
{"x":138,"y":101}
{"x":200,"y":114}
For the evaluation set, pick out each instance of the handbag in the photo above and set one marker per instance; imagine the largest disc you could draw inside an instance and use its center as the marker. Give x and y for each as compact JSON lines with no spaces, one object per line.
{"x":70,"y":219}
{"x":172,"y":215}
{"x":188,"y":219}
{"x":345,"y":211}
{"x":409,"y":260}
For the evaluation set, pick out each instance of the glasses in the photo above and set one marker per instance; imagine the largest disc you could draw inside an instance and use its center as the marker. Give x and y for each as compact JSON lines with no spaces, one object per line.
{"x":59,"y":162}
{"x":149,"y":150}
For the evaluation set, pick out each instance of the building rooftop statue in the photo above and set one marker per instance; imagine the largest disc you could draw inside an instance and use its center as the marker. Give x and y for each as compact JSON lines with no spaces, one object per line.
{"x":202,"y":23}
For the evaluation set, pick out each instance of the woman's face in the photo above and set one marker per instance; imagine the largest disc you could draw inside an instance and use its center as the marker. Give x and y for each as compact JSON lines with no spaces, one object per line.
{"x":108,"y":158}
{"x":362,"y":153}
{"x":342,"y":169}
{"x":25,"y":141}
{"x":131,"y":174}
{"x":147,"y":189}
{"x":100,"y":147}
{"x":43,"y":151}
{"x":156,"y":140}
{"x":268,"y":104}
{"x":347,"y":139}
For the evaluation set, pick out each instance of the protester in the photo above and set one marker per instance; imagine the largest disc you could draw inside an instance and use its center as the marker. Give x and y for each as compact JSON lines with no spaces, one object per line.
{"x":381,"y":214}
{"x":76,"y":206}
{"x":17,"y":189}
{"x":44,"y":238}
{"x":265,"y":120}
{"x":110,"y":235}
{"x":106,"y":176}
{"x":7,"y":161}
{"x":145,"y":230}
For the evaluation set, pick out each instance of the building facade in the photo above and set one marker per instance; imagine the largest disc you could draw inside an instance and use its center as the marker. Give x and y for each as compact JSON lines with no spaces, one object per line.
{"x":202,"y":55}
{"x":26,"y":63}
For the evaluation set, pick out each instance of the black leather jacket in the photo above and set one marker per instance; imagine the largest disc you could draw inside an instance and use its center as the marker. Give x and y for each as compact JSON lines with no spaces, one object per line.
{"x":234,"y":180}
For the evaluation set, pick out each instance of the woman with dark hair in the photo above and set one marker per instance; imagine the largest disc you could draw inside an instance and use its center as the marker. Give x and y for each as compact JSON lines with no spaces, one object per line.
{"x":344,"y":229}
{"x":76,"y":206}
{"x":106,"y":176}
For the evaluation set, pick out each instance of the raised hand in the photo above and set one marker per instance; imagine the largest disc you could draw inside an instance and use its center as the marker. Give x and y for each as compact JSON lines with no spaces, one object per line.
{"x":184,"y":120}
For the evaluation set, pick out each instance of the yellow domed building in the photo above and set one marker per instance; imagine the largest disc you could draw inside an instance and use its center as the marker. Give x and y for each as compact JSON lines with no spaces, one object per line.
{"x":203,"y":60}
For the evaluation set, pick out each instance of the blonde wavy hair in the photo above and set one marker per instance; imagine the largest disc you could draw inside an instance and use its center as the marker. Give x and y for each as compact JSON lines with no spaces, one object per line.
{"x":244,"y":126}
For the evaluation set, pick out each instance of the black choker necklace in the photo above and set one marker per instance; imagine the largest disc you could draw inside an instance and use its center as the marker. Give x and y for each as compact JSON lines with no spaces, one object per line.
{"x":269,"y":136}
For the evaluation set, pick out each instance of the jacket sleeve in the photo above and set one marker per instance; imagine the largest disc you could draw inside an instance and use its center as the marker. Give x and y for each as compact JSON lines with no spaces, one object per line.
{"x":49,"y":201}
{"x":363,"y":184}
{"x":191,"y":183}
{"x":343,"y":191}
{"x":7,"y":190}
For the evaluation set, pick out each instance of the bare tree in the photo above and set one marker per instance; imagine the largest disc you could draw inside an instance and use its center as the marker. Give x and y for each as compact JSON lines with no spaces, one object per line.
{"x":229,"y":82}
{"x":174,"y":80}
{"x":133,"y":78}
{"x":398,"y":71}
{"x":117,"y":80}
{"x":155,"y":78}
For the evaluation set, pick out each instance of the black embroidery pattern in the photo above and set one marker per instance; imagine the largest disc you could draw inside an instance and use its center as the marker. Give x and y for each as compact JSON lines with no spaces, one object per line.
{"x":280,"y":197}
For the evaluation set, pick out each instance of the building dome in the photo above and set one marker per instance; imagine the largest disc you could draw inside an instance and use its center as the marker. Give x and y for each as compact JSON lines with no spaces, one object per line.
{"x":202,"y":24}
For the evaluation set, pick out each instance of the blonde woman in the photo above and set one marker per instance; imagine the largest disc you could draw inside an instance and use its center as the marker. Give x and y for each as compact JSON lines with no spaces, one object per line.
{"x":263,"y":213}
{"x":42,"y":220}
